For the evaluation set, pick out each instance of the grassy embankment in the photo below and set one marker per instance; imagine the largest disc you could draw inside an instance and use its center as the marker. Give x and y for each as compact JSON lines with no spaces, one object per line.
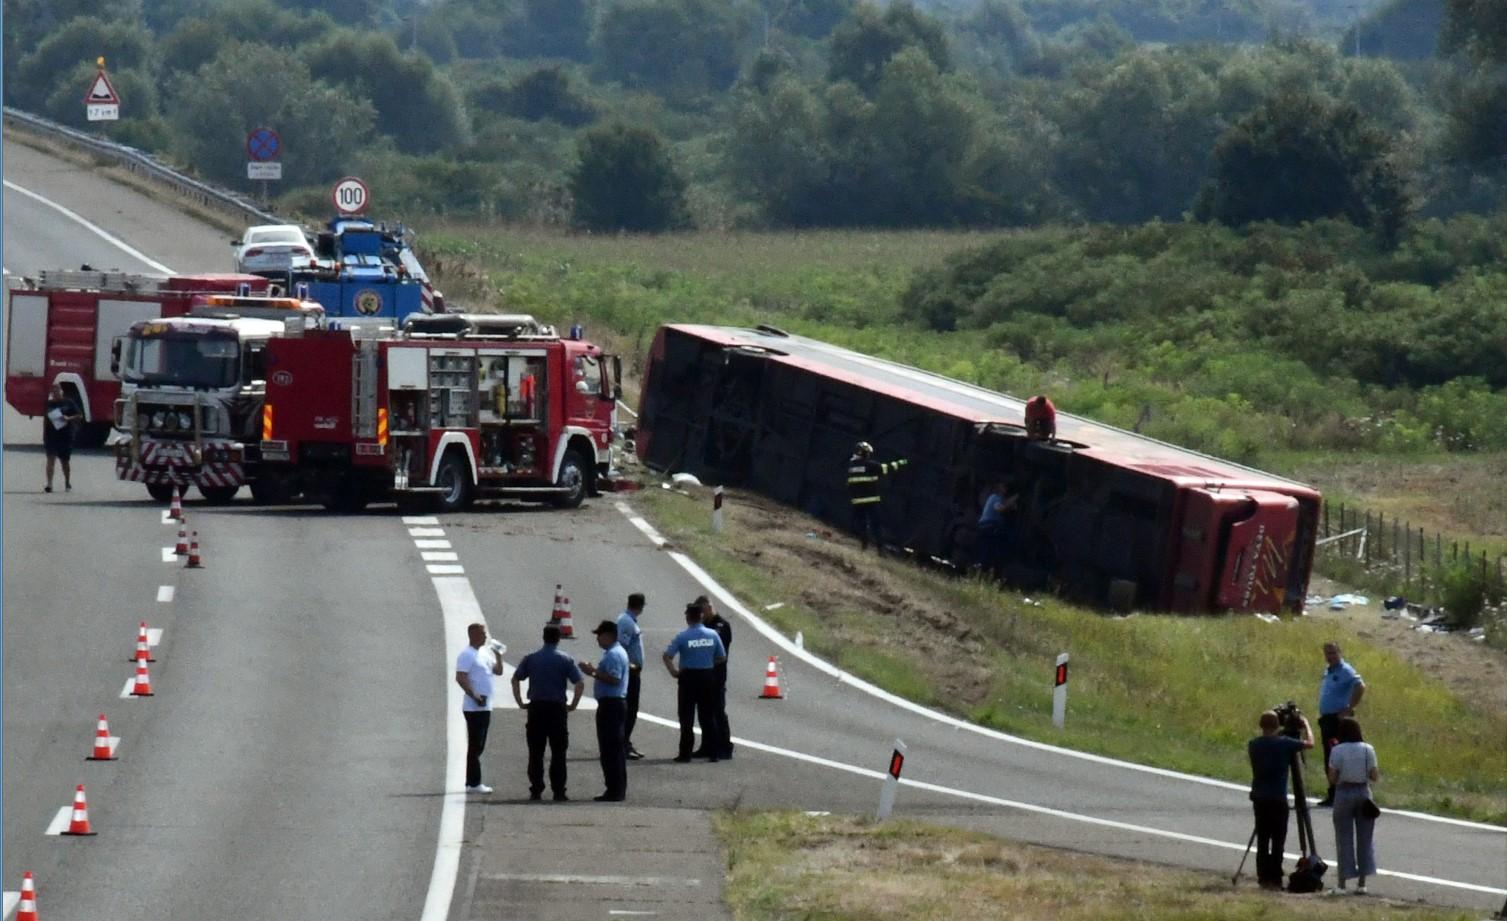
{"x":1177,"y":692}
{"x":789,"y":865}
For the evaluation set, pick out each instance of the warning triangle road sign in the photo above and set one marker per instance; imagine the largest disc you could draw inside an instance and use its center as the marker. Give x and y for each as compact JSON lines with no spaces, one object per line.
{"x":100,"y":91}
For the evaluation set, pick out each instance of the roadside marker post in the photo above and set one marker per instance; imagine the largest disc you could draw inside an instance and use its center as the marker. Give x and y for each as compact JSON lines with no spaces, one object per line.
{"x":1059,"y":693}
{"x":717,"y":510}
{"x":891,"y":782}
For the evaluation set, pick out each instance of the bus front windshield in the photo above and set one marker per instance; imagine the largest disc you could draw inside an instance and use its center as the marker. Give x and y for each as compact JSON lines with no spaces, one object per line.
{"x":196,"y":360}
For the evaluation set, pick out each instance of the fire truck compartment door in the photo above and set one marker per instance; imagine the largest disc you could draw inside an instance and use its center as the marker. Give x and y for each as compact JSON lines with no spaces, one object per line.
{"x":407,"y":369}
{"x":26,"y":346}
{"x":115,"y":318}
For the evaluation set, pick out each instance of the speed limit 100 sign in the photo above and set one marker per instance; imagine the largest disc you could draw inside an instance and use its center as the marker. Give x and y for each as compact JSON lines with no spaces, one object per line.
{"x":351,"y":195}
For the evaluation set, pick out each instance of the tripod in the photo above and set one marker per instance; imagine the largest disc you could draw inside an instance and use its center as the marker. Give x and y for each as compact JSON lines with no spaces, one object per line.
{"x":1307,"y":845}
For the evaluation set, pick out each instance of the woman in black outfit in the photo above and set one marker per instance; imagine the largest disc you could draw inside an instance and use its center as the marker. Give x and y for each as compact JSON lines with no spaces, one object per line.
{"x":57,"y":433}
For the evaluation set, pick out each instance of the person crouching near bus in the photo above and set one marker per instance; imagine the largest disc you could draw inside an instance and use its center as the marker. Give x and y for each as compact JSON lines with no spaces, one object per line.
{"x":1041,"y":419}
{"x":1271,"y":764}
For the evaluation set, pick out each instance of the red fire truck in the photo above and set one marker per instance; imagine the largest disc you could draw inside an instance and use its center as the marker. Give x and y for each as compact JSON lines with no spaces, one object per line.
{"x":62,"y":326}
{"x":451,"y":408}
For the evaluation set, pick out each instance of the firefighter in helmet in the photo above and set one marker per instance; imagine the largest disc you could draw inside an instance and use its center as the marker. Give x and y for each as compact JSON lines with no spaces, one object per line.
{"x":864,"y":495}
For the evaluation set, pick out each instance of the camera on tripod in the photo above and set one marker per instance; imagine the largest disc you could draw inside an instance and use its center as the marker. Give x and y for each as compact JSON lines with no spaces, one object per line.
{"x":1290,"y":718}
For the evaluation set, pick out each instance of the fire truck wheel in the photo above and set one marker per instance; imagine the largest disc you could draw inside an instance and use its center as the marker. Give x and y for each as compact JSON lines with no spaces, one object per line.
{"x":219,"y":495}
{"x":271,"y":490}
{"x":162,"y":492}
{"x":92,"y":435}
{"x":348,"y":496}
{"x":455,"y":482}
{"x":573,"y":476}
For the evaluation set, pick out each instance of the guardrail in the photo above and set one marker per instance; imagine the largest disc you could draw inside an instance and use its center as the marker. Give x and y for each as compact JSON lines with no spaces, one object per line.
{"x":145,"y":165}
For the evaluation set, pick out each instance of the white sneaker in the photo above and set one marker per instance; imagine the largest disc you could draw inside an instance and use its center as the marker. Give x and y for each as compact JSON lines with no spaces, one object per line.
{"x":1336,"y":892}
{"x":1361,"y":889}
{"x":479,"y":788}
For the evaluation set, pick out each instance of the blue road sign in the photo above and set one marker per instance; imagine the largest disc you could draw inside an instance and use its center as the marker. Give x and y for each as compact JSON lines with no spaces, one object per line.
{"x":263,"y":144}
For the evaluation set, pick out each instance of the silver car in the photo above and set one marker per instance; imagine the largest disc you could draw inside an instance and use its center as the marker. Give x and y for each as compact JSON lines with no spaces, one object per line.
{"x":272,"y":248}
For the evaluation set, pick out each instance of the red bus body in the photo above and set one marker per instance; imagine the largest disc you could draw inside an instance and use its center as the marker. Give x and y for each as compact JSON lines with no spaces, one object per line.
{"x":1107,"y":515}
{"x":61,"y":331}
{"x":355,"y":417}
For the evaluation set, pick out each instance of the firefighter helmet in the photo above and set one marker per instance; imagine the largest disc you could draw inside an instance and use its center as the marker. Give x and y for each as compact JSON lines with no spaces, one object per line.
{"x":863,"y":448}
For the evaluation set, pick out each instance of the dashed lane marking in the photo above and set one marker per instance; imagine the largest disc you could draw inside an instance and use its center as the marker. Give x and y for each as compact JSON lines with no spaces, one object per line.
{"x":169,"y":555}
{"x":444,"y":569}
{"x":426,"y":532}
{"x":439,"y":556}
{"x":60,"y":821}
{"x":780,"y":640}
{"x":420,"y":519}
{"x":12,"y":899}
{"x":432,"y":544}
{"x":165,"y":593}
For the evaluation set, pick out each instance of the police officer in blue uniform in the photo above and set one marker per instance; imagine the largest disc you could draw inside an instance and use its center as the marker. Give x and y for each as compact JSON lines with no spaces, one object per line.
{"x":700,"y":650}
{"x":717,"y":739}
{"x":547,"y":670}
{"x":610,"y":689}
{"x":631,"y":638}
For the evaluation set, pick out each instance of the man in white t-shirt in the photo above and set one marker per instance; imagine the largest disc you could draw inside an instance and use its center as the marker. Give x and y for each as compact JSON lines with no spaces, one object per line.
{"x":474,"y":669}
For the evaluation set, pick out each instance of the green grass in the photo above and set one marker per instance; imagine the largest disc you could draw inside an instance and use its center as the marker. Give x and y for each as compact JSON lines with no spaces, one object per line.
{"x":785,"y":865}
{"x":1176,"y":692}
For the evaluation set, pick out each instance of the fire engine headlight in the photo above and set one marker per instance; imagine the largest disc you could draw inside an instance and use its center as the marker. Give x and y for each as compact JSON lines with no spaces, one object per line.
{"x":169,"y":421}
{"x":159,"y":420}
{"x":185,"y":421}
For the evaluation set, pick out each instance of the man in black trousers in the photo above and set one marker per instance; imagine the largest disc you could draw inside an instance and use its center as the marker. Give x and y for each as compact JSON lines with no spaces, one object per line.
{"x":716,"y":732}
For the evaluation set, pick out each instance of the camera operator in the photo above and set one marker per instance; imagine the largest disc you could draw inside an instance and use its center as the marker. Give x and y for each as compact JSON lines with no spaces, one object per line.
{"x":1271,"y":759}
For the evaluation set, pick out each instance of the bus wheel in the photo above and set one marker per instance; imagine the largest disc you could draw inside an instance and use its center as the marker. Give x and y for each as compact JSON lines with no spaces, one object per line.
{"x":573,"y":478}
{"x":454,"y":481}
{"x":162,"y":492}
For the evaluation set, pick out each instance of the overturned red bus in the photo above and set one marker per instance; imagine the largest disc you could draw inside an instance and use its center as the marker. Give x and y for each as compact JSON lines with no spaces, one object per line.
{"x":1105,"y":515}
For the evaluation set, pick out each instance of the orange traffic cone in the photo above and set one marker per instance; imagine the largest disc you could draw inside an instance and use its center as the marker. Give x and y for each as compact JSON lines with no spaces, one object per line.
{"x":193,"y":554}
{"x":79,"y":824}
{"x":772,"y":682}
{"x":567,"y":626}
{"x":143,"y":685}
{"x":175,"y":511}
{"x":26,"y":908}
{"x":181,"y":548}
{"x":143,"y":648}
{"x":103,"y":751}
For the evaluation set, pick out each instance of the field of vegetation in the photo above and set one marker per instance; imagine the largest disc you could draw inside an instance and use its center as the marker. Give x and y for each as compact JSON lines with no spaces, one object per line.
{"x":789,"y":865}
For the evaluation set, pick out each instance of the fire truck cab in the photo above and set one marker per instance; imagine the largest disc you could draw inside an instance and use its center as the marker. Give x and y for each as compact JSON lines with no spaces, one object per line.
{"x":450,"y":408}
{"x":192,"y":389}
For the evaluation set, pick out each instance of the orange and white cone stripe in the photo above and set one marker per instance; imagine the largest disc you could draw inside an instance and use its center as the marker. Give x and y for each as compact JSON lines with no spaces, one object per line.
{"x":143,"y":685}
{"x":181,"y":548}
{"x":26,"y":908}
{"x":78,"y":824}
{"x":143,"y":645}
{"x":104,"y":745}
{"x":567,"y":626}
{"x":193,"y":554}
{"x":175,"y":511}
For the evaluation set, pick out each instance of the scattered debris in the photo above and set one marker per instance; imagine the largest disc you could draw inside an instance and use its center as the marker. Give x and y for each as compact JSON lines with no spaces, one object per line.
{"x":775,"y":606}
{"x":1341,"y":602}
{"x":1268,"y":618}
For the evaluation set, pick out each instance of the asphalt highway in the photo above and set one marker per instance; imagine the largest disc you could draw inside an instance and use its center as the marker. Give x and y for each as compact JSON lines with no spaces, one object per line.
{"x":293,"y":759}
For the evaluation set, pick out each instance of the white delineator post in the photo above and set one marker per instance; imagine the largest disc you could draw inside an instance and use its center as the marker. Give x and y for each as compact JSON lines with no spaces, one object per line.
{"x":1059,"y":692}
{"x":717,"y":510}
{"x":891,"y":782}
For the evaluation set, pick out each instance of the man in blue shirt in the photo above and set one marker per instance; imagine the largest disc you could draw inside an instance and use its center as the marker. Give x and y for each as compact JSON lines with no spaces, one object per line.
{"x":547,"y":670}
{"x":1340,"y":692}
{"x":631,"y":638}
{"x":699,"y":649}
{"x":1271,"y":763}
{"x":610,"y":689}
{"x":996,"y":527}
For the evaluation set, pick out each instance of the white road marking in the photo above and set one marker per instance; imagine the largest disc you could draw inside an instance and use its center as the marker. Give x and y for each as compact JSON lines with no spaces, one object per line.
{"x":154,"y":636}
{"x":678,"y":882}
{"x":165,"y":593}
{"x":113,"y":742}
{"x":779,"y":639}
{"x":168,"y":555}
{"x":444,"y":569}
{"x":460,"y":608}
{"x":103,"y":234}
{"x":165,"y":519}
{"x":60,"y":821}
{"x":1046,"y":810}
{"x":125,"y":692}
{"x":439,"y":556}
{"x":420,"y":519}
{"x":426,"y":532}
{"x":432,"y":544}
{"x":12,"y":899}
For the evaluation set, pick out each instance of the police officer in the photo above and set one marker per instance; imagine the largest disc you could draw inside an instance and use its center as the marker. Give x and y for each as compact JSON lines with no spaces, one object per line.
{"x":631,"y":638}
{"x":547,"y":670}
{"x":610,"y":689}
{"x":717,"y":738}
{"x":699,"y":649}
{"x":864,"y":474}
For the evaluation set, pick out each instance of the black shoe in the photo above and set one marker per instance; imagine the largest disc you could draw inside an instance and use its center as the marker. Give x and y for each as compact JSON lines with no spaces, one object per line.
{"x":46,"y":489}
{"x":607,"y":798}
{"x":712,"y":760}
{"x":1325,"y":803}
{"x":561,"y":798}
{"x":699,"y":753}
{"x":634,"y":754}
{"x":535,"y":795}
{"x":682,"y":759}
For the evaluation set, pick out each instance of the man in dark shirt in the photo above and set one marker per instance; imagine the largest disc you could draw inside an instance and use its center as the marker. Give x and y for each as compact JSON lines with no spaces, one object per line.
{"x":1271,"y":763}
{"x":717,"y":738}
{"x":547,"y":671}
